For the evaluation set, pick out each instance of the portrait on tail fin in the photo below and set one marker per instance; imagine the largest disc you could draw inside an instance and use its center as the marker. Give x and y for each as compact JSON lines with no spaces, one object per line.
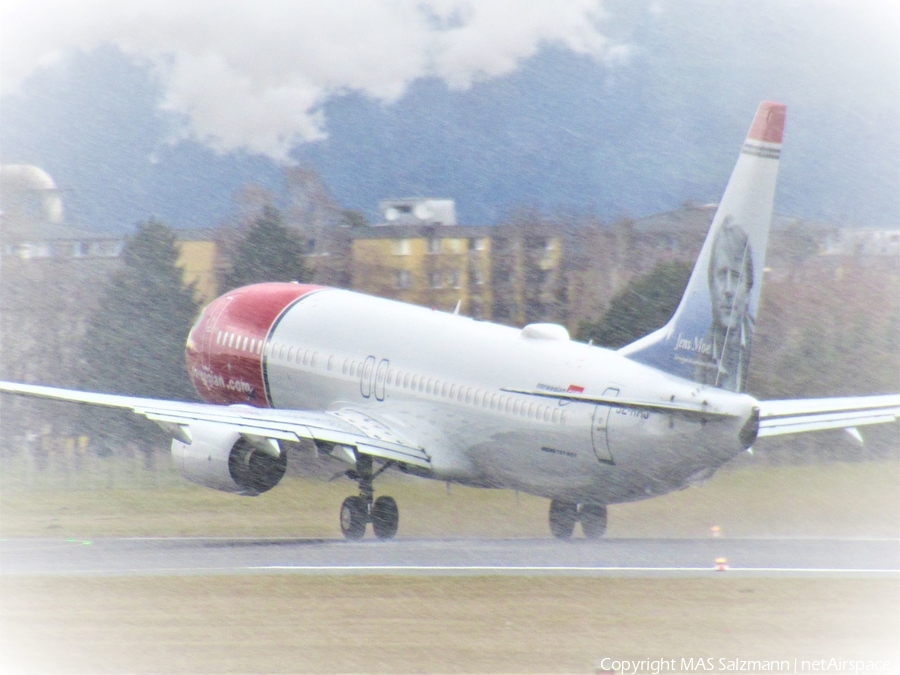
{"x":709,"y":338}
{"x":730,"y":333}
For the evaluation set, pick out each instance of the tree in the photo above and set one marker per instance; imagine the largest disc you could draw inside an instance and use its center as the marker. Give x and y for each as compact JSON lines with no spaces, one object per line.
{"x":269,"y":251}
{"x":134,"y":342}
{"x":645,"y":304}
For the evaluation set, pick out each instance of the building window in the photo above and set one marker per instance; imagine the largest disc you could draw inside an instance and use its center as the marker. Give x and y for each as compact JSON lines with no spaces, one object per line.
{"x":434,"y":280}
{"x":537,"y":243}
{"x":477,"y":277}
{"x":401,"y":279}
{"x":455,"y":245}
{"x":434,"y":245}
{"x":502,"y":311}
{"x":400,"y":247}
{"x":453,"y":278}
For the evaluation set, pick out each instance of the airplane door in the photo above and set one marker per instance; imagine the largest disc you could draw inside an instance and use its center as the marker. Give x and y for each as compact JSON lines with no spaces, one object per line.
{"x":365,"y":381}
{"x":600,"y":427}
{"x":380,"y":379}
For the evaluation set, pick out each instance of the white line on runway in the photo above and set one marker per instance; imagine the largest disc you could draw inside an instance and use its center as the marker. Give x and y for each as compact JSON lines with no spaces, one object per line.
{"x":547,"y":568}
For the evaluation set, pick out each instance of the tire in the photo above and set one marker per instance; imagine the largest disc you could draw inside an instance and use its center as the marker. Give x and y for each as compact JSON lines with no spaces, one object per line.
{"x":354,"y":516}
{"x":593,"y":520}
{"x":385,"y":517}
{"x":563,"y":516}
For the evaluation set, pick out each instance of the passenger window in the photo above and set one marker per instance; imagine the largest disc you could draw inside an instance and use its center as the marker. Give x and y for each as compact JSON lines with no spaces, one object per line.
{"x":244,"y":345}
{"x":230,"y":340}
{"x":291,"y":354}
{"x":453,"y":390}
{"x":314,"y":360}
{"x":219,"y":338}
{"x":330,"y":362}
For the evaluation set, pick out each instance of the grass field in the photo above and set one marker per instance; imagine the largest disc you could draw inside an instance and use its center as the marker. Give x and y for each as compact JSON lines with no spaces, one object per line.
{"x":390,"y":624}
{"x":360,"y":624}
{"x":836,"y":499}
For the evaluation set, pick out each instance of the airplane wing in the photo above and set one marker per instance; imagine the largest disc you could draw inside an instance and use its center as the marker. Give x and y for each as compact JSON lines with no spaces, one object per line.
{"x":800,"y":415}
{"x":346,"y":427}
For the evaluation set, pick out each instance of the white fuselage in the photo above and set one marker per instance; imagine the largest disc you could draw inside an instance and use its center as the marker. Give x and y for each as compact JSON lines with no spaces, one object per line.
{"x":439,"y":380}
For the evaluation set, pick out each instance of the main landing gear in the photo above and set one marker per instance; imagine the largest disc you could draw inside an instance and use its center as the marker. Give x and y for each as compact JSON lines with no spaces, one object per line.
{"x":359,"y":511}
{"x":564,"y":515}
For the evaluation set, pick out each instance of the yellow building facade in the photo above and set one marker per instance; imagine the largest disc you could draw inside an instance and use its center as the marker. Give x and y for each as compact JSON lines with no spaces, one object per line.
{"x":433,"y":266}
{"x":197,"y":260}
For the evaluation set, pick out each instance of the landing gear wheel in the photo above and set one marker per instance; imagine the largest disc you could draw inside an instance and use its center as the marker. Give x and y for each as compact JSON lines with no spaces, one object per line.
{"x":593,"y":520}
{"x":563,"y":516}
{"x":385,"y":517}
{"x":354,"y":516}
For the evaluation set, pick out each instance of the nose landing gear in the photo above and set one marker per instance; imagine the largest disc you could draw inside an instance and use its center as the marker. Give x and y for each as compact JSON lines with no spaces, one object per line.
{"x":359,"y":511}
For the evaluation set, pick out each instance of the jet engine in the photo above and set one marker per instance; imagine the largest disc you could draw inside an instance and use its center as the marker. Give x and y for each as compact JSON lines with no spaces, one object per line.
{"x":220,"y":458}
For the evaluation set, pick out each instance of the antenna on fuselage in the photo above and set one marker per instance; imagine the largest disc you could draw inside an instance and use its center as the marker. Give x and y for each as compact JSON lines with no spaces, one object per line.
{"x":458,"y":305}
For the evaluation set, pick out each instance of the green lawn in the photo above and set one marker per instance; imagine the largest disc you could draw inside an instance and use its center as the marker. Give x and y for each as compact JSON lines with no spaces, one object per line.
{"x":117,"y":498}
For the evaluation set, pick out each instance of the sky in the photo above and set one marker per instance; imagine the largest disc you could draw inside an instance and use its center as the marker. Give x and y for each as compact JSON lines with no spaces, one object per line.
{"x":165,"y":109}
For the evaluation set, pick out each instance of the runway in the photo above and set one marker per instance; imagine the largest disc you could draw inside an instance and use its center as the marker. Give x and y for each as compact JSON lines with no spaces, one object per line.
{"x":860,"y":558}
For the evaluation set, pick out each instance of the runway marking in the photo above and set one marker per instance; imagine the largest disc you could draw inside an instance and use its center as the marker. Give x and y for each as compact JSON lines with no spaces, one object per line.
{"x":545,"y":568}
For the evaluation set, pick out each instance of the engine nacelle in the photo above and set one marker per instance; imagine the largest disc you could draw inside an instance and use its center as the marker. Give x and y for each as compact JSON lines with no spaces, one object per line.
{"x":221,"y":459}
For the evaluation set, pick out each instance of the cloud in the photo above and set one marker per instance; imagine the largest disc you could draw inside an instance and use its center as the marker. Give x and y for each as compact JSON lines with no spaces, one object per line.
{"x":254,"y":75}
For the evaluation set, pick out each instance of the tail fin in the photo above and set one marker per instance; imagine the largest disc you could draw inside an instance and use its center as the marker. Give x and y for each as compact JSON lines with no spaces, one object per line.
{"x":708,"y":339}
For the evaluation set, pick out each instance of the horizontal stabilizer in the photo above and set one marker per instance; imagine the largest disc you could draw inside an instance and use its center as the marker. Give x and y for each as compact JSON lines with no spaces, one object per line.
{"x":796,"y":416}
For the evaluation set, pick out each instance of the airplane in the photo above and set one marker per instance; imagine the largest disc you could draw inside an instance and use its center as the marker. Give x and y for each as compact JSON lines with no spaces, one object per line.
{"x":383,"y":385}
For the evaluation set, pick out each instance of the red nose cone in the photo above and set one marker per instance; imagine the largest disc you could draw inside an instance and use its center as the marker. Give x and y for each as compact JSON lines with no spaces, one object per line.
{"x":226,"y":347}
